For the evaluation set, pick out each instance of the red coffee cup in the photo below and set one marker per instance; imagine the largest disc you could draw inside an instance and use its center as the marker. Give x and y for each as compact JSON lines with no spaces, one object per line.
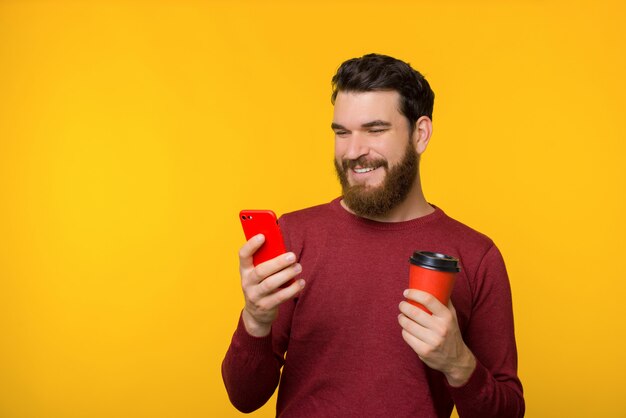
{"x":433,"y":273}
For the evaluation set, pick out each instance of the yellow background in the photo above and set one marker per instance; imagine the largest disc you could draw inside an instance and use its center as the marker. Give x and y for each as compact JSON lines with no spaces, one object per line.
{"x":132,"y":133}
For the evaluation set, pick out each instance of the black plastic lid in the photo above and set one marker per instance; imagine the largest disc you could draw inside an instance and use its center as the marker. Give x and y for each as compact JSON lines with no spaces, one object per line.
{"x":435,"y":261}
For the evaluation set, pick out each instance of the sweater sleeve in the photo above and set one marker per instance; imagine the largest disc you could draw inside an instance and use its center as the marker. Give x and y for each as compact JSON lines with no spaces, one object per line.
{"x":251,"y":367}
{"x":494,"y":389}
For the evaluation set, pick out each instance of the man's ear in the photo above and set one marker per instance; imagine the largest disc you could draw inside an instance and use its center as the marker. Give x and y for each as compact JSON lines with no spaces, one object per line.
{"x":421,"y":134}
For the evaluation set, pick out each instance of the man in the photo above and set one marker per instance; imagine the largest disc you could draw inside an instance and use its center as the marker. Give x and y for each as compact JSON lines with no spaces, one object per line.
{"x":348,"y":343}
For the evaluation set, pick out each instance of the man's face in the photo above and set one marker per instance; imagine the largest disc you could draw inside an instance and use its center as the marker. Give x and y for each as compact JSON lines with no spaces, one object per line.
{"x":375,"y":160}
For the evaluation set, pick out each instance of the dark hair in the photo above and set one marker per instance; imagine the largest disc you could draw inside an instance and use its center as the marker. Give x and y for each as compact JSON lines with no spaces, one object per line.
{"x":375,"y":72}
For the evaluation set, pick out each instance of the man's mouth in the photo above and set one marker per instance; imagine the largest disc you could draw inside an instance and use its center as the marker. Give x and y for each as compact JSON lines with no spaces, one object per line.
{"x":364,"y":170}
{"x":361,"y":165}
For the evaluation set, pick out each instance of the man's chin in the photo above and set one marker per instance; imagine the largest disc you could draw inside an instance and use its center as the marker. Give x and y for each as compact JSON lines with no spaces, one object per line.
{"x":365,"y":185}
{"x":363,"y":190}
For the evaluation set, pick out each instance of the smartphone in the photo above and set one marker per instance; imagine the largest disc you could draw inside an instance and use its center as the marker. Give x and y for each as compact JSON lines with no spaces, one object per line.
{"x":263,"y":222}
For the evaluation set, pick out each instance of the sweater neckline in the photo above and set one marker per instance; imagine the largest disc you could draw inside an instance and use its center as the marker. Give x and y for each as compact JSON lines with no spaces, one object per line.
{"x":390,"y":226}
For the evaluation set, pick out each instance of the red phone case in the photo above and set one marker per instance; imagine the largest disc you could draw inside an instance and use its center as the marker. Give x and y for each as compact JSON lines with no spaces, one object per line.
{"x":263,"y":222}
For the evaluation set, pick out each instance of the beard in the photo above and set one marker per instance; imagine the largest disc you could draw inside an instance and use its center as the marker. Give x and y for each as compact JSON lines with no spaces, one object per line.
{"x":373,"y":202}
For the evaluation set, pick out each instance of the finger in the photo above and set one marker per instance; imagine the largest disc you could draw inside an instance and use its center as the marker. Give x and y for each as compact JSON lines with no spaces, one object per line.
{"x":427,"y":300}
{"x":418,"y":331}
{"x":420,"y":347}
{"x":415,"y":314}
{"x":274,"y":299}
{"x":275,"y":265}
{"x":276,"y":280}
{"x":248,"y":249}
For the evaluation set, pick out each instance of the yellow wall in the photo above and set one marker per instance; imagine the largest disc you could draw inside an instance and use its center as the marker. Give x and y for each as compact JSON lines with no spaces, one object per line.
{"x":131,"y":134}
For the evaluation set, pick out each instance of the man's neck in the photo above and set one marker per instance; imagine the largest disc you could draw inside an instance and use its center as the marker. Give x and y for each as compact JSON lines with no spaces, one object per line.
{"x":413,"y":207}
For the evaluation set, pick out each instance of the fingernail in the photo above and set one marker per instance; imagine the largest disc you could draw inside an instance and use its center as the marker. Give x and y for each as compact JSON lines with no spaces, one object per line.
{"x":260,"y":238}
{"x":290,"y":257}
{"x":301,"y":283}
{"x":406,"y":293}
{"x":297,"y":267}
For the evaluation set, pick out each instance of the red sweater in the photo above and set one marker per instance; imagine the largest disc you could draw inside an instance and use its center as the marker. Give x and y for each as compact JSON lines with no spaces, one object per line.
{"x":345,"y":356}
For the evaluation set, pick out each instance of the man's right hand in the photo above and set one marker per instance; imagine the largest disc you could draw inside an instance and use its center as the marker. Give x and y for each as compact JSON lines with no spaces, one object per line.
{"x":261,"y":286}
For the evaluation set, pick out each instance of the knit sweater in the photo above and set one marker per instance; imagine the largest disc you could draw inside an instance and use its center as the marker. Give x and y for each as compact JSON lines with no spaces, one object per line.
{"x":340,"y":342}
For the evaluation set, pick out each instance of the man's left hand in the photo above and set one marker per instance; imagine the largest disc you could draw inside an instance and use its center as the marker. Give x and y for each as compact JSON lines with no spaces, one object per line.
{"x":436,"y":338}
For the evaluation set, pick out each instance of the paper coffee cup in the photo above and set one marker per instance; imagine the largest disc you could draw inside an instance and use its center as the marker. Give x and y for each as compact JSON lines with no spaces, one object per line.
{"x":433,"y":273}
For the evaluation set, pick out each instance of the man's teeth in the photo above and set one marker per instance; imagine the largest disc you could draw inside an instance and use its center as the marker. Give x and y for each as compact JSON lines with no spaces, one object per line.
{"x":363,"y":170}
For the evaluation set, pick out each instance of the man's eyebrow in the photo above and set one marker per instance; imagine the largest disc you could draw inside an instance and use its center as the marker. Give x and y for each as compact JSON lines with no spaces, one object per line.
{"x":377,"y":122}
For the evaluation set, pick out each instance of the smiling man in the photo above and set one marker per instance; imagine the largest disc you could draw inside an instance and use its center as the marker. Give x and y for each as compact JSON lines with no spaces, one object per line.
{"x":341,"y":340}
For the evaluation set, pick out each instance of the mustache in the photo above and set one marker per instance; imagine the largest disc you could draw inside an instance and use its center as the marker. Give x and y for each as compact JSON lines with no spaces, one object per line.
{"x":363,"y":162}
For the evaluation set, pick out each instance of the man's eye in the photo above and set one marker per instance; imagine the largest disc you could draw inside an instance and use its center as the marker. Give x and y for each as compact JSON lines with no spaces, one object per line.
{"x":377,"y":131}
{"x":341,"y":133}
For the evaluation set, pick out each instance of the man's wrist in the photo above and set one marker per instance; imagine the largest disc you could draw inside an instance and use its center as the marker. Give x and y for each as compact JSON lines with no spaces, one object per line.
{"x":253,"y":327}
{"x":461,"y":374}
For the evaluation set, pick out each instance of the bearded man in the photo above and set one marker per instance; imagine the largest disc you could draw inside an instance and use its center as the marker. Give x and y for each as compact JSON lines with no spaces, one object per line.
{"x":341,"y":339}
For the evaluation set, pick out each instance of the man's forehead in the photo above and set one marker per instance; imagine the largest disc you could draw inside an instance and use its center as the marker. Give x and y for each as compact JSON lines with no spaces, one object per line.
{"x":363,"y":107}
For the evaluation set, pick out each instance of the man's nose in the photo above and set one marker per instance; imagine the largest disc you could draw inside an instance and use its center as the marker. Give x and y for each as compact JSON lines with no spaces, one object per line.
{"x":357,"y":146}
